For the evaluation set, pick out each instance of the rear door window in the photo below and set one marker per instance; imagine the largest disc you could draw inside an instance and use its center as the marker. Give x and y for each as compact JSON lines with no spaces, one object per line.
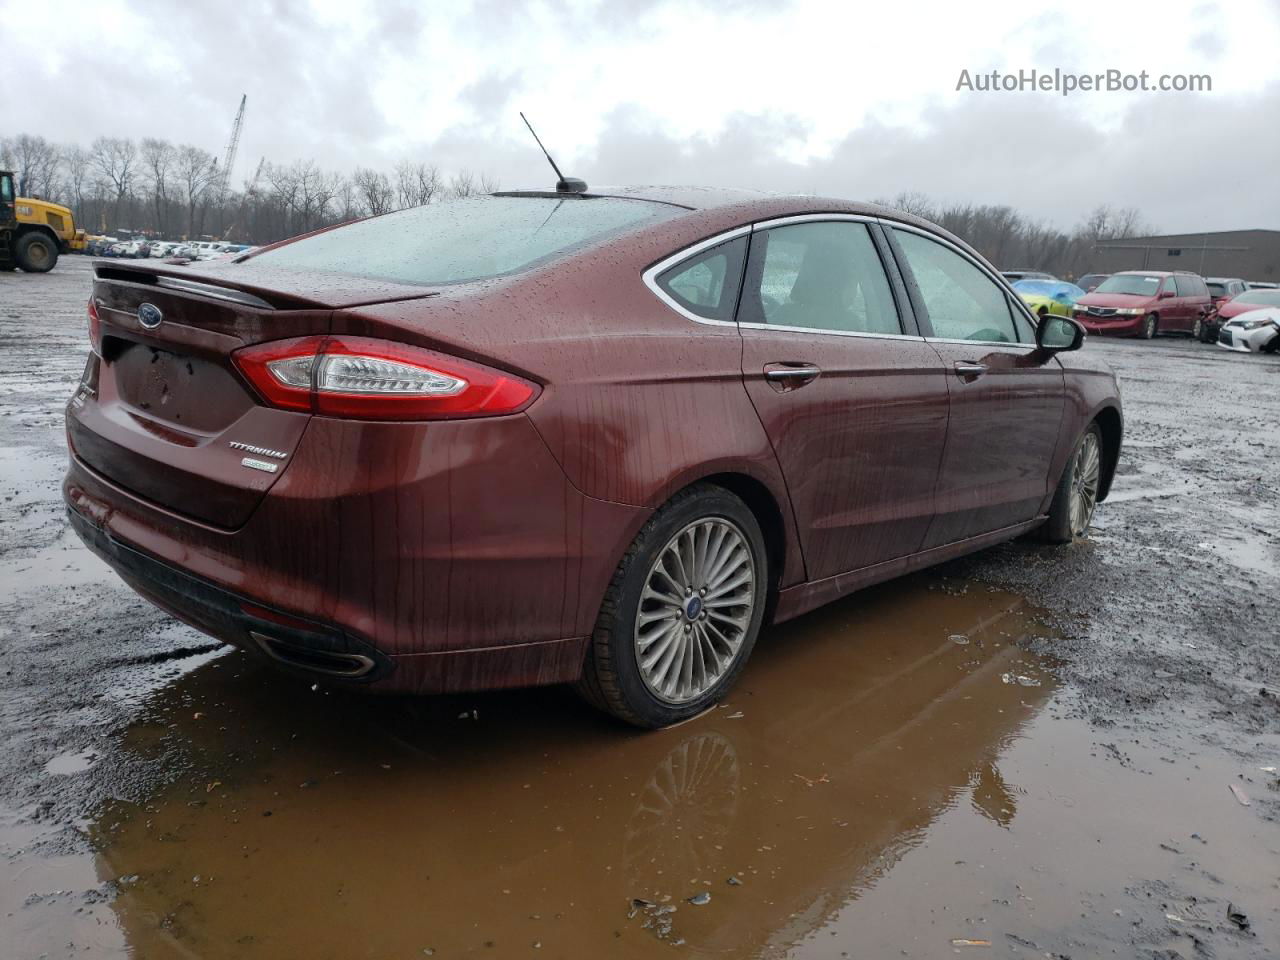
{"x":962,"y":301}
{"x":824,"y":275}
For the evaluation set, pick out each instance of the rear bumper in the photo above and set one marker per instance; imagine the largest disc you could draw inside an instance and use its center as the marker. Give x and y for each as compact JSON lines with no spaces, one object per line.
{"x":307,"y":646}
{"x":454,"y":557}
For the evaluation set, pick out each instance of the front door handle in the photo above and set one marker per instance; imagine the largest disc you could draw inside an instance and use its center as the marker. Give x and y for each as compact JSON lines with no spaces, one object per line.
{"x":789,"y":376}
{"x":970,"y":371}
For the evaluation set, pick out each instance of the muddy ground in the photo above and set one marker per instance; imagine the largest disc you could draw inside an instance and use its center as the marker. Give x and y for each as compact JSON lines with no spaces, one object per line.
{"x":1031,"y":752}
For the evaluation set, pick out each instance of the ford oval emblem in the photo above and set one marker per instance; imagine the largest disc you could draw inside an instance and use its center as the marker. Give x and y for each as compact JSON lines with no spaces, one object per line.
{"x":149,"y":315}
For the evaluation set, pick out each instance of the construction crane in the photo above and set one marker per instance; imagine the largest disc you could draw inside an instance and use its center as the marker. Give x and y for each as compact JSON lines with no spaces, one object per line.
{"x":229,"y":159}
{"x":249,"y":191}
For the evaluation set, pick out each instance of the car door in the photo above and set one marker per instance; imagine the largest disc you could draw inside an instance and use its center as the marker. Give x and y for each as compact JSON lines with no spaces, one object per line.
{"x":853,"y":400}
{"x":1006,"y":399}
{"x":1186,"y":305}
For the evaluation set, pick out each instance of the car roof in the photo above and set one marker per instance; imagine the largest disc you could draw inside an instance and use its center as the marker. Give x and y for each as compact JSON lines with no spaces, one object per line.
{"x":710,"y":210}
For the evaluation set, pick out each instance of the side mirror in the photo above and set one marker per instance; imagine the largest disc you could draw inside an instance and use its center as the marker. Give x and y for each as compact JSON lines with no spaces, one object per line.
{"x":1057,"y":334}
{"x":1165,"y":295}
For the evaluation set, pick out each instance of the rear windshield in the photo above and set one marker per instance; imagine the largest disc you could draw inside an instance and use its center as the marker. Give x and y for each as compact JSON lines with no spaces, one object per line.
{"x":462,"y":240}
{"x":1138,"y":284}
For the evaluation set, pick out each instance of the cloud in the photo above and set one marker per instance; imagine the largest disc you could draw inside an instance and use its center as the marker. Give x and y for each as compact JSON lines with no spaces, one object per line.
{"x":806,"y":96}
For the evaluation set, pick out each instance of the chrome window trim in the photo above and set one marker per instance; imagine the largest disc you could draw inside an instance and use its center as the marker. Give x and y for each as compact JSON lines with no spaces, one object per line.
{"x":830,"y":333}
{"x":651,"y":275}
{"x":811,"y":218}
{"x":1000,"y":280}
{"x":1029,"y":347}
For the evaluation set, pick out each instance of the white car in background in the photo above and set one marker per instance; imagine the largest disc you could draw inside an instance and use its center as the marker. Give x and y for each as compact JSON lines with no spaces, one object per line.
{"x":1257,"y":331}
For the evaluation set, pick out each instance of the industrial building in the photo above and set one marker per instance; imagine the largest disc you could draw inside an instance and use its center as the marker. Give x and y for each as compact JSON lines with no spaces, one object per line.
{"x":1248,"y":254}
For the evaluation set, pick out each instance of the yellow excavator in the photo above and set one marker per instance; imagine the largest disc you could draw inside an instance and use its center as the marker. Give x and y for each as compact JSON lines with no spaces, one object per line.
{"x":33,"y":232}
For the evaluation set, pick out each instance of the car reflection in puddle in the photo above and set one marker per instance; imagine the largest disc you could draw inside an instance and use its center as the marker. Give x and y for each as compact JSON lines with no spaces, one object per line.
{"x":324,"y":825}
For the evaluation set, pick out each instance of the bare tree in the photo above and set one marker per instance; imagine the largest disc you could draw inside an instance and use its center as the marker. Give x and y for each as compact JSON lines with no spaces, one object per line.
{"x":75,"y":164}
{"x":375,"y":190}
{"x":348,"y":199}
{"x":114,"y":159}
{"x":158,"y":157}
{"x":417,"y":183}
{"x":196,"y":170}
{"x":35,"y":161}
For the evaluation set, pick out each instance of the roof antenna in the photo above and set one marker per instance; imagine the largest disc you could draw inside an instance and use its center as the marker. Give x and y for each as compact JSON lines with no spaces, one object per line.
{"x":563,"y":184}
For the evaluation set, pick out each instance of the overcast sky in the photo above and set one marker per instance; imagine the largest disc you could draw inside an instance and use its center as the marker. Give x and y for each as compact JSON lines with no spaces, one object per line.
{"x":843,"y":99}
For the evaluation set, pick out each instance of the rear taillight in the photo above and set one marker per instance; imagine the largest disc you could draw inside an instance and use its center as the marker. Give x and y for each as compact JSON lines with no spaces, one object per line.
{"x":95,"y":328}
{"x":367,"y":379}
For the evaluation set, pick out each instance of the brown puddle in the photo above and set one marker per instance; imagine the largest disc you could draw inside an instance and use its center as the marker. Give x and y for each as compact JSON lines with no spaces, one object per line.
{"x":351,"y":827}
{"x":868,"y":790}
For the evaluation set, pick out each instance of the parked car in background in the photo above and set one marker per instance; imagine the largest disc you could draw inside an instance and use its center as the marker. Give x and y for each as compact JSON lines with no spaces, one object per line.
{"x":163,"y":248}
{"x":1242,"y":303}
{"x":395,"y":454}
{"x":1261,"y":285}
{"x":98,"y":246}
{"x":1258,"y":331}
{"x":1090,"y":281}
{"x":1222,"y":289}
{"x":1049,"y":296}
{"x":1015,"y":275}
{"x":1145,"y":303}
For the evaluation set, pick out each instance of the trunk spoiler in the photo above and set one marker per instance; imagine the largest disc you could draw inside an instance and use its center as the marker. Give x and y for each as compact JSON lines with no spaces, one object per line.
{"x":262,"y":288}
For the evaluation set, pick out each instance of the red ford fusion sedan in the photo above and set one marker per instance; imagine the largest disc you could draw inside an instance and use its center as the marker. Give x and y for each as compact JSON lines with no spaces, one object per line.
{"x":595,"y":437}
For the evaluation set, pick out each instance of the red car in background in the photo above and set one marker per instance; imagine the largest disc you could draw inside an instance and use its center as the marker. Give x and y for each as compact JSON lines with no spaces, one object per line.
{"x":590,"y":438}
{"x":1145,"y":303}
{"x":1222,"y":289}
{"x":1256,"y":299}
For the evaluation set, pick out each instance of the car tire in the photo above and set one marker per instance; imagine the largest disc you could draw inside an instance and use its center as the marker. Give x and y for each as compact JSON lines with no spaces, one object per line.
{"x":1197,"y":329}
{"x":1150,"y":327}
{"x":643,"y":614}
{"x":35,"y":252}
{"x":1082,"y":476}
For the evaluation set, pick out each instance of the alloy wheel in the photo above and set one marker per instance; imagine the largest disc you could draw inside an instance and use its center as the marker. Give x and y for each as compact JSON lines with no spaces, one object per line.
{"x":695,"y":609}
{"x":1085,"y":471}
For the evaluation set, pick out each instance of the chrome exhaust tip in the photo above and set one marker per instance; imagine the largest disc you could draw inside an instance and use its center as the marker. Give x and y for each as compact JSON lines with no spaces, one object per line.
{"x":348,"y":666}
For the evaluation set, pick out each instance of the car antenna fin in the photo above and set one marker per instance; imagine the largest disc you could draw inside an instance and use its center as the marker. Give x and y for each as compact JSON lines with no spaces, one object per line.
{"x":563,"y":184}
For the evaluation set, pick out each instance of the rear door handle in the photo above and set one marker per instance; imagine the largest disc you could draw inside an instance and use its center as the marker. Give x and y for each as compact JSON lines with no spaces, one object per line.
{"x":970,"y":371}
{"x":788,"y":376}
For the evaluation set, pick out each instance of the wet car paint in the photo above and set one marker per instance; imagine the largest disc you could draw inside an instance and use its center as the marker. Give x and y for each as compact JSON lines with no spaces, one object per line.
{"x":519,"y":521}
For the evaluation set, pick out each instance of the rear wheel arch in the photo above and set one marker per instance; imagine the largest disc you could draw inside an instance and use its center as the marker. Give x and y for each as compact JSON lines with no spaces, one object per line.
{"x":762,"y":503}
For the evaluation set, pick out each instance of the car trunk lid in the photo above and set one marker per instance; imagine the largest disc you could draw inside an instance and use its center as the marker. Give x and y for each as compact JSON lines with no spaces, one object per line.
{"x":167,"y":416}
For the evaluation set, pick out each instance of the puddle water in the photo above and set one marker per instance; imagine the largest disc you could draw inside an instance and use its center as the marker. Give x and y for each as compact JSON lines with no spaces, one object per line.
{"x":51,"y":904}
{"x":887,"y":777}
{"x":537,"y":823}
